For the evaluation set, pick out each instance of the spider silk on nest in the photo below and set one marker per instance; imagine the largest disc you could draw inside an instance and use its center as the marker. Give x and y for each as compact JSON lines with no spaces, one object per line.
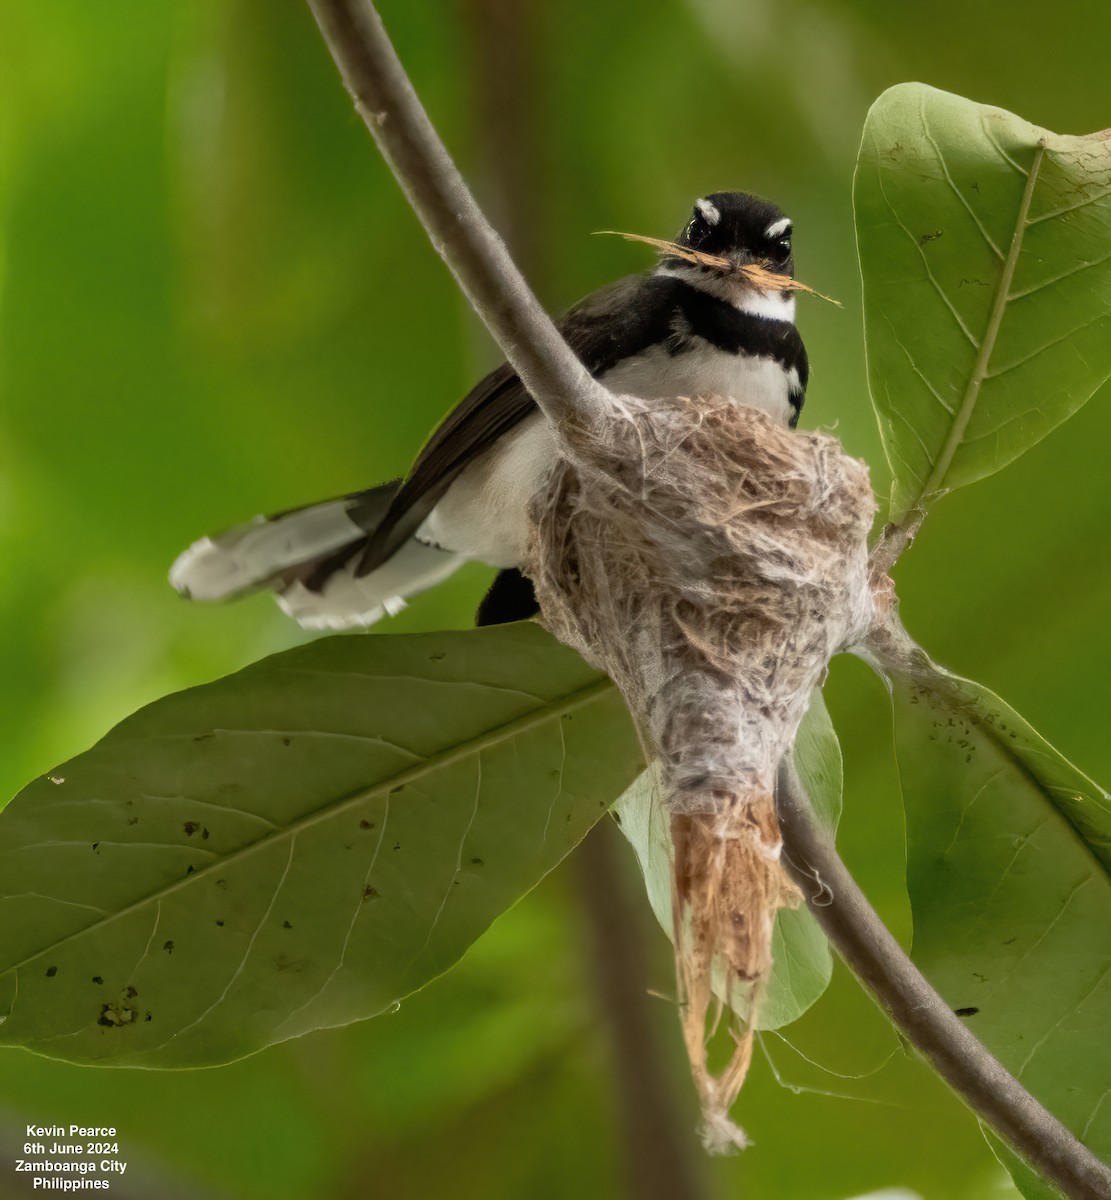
{"x":711,"y":562}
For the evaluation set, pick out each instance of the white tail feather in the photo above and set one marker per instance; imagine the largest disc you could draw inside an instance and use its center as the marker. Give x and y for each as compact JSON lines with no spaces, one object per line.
{"x":347,"y":602}
{"x":253,"y":554}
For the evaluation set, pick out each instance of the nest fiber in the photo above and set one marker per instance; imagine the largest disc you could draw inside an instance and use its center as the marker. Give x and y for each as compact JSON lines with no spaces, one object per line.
{"x":711,"y":561}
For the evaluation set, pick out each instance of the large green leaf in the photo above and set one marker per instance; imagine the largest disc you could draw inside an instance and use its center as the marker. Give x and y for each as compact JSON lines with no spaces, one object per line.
{"x":985,"y":250}
{"x":1009,"y":874}
{"x":801,"y":956}
{"x":298,"y":845}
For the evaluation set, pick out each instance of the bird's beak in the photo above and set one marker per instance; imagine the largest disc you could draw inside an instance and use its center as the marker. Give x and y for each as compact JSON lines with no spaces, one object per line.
{"x":739,"y":259}
{"x":757,"y":273}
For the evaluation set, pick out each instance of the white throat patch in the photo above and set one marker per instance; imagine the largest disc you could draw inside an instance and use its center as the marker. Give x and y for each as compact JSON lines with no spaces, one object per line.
{"x":776,"y":306}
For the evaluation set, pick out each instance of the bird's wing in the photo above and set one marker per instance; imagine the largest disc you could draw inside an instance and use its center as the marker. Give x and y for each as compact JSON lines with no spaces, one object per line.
{"x":611,"y":324}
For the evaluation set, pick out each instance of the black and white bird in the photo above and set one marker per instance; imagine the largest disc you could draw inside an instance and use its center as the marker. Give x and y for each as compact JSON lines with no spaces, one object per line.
{"x":682,"y":329}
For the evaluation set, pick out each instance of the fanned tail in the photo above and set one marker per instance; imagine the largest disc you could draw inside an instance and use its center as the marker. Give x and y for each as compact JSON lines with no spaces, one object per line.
{"x":309,"y":558}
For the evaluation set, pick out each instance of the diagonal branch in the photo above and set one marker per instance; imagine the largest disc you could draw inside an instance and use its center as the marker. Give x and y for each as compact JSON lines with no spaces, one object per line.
{"x":921,"y":1015}
{"x":478,"y":259}
{"x":561,"y":386}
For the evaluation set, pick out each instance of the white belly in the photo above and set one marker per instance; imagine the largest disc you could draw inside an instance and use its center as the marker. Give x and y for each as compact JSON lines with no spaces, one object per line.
{"x":483,"y":515}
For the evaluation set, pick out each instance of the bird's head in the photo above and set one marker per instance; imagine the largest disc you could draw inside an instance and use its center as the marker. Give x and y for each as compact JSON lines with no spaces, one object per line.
{"x":743,"y":229}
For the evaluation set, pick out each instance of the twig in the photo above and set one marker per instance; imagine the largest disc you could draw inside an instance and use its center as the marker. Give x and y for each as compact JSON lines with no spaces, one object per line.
{"x":659,"y":1159}
{"x":388,"y":104}
{"x":478,"y":259}
{"x":895,"y":538}
{"x":510,"y":145}
{"x":923,"y":1017}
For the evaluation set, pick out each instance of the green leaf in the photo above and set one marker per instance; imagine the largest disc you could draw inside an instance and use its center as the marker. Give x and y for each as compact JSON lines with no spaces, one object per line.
{"x":1009,"y":875}
{"x":802,"y":961}
{"x":297,"y":846}
{"x":985,"y":250}
{"x":1032,"y":1185}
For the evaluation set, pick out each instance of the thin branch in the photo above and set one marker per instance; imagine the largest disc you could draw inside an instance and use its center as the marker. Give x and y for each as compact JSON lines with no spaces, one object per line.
{"x":478,"y":259}
{"x":924,"y":1018}
{"x":659,"y":1158}
{"x":560,"y":385}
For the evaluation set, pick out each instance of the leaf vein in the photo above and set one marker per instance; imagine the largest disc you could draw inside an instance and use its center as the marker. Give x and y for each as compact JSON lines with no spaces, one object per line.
{"x":1084,"y":266}
{"x":929,"y":270}
{"x":952,"y":184}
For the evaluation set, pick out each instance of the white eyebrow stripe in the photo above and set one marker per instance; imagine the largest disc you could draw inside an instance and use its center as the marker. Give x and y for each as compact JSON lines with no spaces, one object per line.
{"x":708,"y":210}
{"x":777,"y":228}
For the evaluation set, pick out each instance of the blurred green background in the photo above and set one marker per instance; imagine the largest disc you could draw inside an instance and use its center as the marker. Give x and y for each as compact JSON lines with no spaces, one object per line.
{"x":214,"y":302}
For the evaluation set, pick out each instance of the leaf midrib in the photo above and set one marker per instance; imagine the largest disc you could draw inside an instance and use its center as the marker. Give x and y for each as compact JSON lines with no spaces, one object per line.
{"x":936,"y":480}
{"x":571,"y":702}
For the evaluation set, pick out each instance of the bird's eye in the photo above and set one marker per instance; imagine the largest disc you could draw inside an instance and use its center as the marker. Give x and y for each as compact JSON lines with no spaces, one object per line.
{"x":696,"y":231}
{"x":781,"y":250}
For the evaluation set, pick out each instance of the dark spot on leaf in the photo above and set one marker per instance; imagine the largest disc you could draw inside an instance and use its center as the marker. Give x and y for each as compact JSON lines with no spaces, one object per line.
{"x":133,"y":820}
{"x":616,"y":818}
{"x":477,"y":862}
{"x":366,"y":824}
{"x":975,"y":187}
{"x":95,"y":844}
{"x":370,"y":893}
{"x":971,"y":1011}
{"x":439,"y":656}
{"x":203,"y":737}
{"x":221,"y":883}
{"x":204,"y":834}
{"x":286,"y":925}
{"x":287,"y":741}
{"x":981,"y":978}
{"x":190,"y":870}
{"x":147,"y":1017}
{"x":51,"y":972}
{"x":220,"y":923}
{"x":190,"y":828}
{"x":130,"y":992}
{"x":118,"y":1014}
{"x":97,"y":979}
{"x":400,"y":788}
{"x":1010,"y":941}
{"x":929,"y":237}
{"x":397,"y":845}
{"x":168,"y":946}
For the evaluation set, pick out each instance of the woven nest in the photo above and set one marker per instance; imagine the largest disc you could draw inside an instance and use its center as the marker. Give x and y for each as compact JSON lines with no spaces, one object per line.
{"x":712,"y":562}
